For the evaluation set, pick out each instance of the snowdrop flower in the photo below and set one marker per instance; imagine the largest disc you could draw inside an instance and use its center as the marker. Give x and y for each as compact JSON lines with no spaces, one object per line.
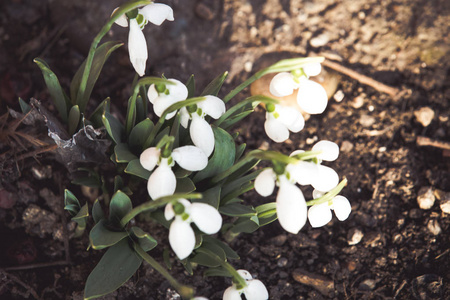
{"x":255,"y":289}
{"x":320,"y":214}
{"x":162,"y":181}
{"x":154,"y":13}
{"x":290,"y":202}
{"x":200,"y":130}
{"x":311,"y":97}
{"x":181,"y":234}
{"x":280,"y":120}
{"x":163,"y":96}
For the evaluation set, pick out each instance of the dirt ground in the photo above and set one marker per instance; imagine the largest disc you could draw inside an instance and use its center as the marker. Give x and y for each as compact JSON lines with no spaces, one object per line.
{"x":390,"y":247}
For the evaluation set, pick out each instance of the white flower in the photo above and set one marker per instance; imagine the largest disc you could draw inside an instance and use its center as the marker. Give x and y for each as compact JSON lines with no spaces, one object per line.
{"x":162,"y":181}
{"x":172,"y":94}
{"x":311,"y":97}
{"x":155,"y":13}
{"x":290,"y":202}
{"x":255,"y":289}
{"x":181,"y":234}
{"x":200,"y":130}
{"x":282,"y":119}
{"x":330,"y":150}
{"x":320,"y":214}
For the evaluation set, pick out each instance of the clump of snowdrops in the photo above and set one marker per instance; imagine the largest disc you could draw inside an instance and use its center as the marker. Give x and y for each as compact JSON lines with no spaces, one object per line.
{"x":195,"y":172}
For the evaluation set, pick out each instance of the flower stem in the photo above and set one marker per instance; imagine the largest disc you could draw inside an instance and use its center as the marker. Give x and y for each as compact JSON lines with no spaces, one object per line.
{"x":330,"y":195}
{"x":185,"y":291}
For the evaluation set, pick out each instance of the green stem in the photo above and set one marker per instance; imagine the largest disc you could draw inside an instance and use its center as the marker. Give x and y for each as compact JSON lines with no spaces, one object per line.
{"x":155,"y":204}
{"x":185,"y":291}
{"x":330,"y":195}
{"x":122,"y":10}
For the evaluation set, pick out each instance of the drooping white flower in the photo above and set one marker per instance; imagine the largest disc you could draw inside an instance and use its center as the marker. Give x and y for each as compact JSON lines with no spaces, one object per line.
{"x":320,"y":214}
{"x":255,"y":289}
{"x":171,"y":94}
{"x":154,"y":13}
{"x":181,"y":234}
{"x":282,"y":119}
{"x":200,"y":130}
{"x":162,"y":181}
{"x":330,"y":150}
{"x":290,"y":202}
{"x":311,"y":96}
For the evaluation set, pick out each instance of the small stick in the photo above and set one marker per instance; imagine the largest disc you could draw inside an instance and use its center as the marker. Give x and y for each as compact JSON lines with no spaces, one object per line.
{"x":425,"y":141}
{"x":23,"y":284}
{"x":38,"y":265}
{"x":35,"y":152}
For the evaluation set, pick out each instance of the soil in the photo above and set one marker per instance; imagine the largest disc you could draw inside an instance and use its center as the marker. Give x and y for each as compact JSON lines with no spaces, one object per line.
{"x":390,"y":247}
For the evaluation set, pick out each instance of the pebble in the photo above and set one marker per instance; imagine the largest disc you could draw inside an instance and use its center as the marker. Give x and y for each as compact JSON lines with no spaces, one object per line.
{"x":354,"y":236}
{"x":424,"y":116}
{"x":324,"y":285}
{"x":339,"y":96}
{"x":320,"y":40}
{"x":282,"y":262}
{"x":346,"y":146}
{"x":279,"y":240}
{"x":204,"y":12}
{"x":434,"y":227}
{"x":41,"y":172}
{"x":366,"y":120}
{"x":358,"y":102}
{"x":367,"y":285}
{"x":425,"y":197}
{"x":445,"y":203}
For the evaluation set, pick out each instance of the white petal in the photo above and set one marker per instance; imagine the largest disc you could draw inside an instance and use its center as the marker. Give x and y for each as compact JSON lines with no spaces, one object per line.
{"x":282,"y":84}
{"x":312,"y":69}
{"x":265,"y":182}
{"x":161,"y":183}
{"x":169,"y":213}
{"x":152,"y":93}
{"x":122,"y":20}
{"x":317,"y":194}
{"x":184,"y":117}
{"x":291,"y":207}
{"x":231,"y":294}
{"x":312,"y":97}
{"x":156,"y":13}
{"x":202,"y":135}
{"x":137,"y":47}
{"x":330,"y":150}
{"x":149,"y":158}
{"x":326,"y":179}
{"x":177,"y":90}
{"x":319,"y":215}
{"x":199,"y":298}
{"x":256,"y":290}
{"x":275,"y":130}
{"x":206,"y":217}
{"x":341,"y":207}
{"x":290,"y":117}
{"x":181,"y":238}
{"x":303,"y":172}
{"x":190,"y":158}
{"x":295,"y":152}
{"x":163,"y":102}
{"x":212,"y":106}
{"x":245,"y":274}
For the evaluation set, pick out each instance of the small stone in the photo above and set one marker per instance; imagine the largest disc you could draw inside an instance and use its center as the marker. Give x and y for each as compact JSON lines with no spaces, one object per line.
{"x":279,"y":240}
{"x":366,"y":120}
{"x":367,"y":285}
{"x":346,"y":146}
{"x":282,"y":262}
{"x":354,"y":236}
{"x":324,"y":285}
{"x":204,"y":12}
{"x":248,"y":66}
{"x":320,"y":40}
{"x":358,"y":102}
{"x":424,"y":116}
{"x":426,"y":197}
{"x":445,"y":203}
{"x":415,"y":213}
{"x":339,"y":96}
{"x":433,"y":227}
{"x":393,"y":254}
{"x":41,"y":172}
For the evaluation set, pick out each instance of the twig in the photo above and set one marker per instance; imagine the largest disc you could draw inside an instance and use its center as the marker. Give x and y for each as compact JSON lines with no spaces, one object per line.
{"x":35,"y":152}
{"x":425,"y":141}
{"x":38,"y":265}
{"x":23,"y":284}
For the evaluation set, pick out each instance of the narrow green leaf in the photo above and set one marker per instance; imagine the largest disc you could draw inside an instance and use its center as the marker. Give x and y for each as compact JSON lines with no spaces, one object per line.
{"x":190,"y":84}
{"x":135,"y":168}
{"x":25,"y":107}
{"x":234,"y":119}
{"x":113,"y":127}
{"x":139,"y":134}
{"x":117,"y":265}
{"x":211,"y":196}
{"x":214,"y":86}
{"x":140,"y":110}
{"x":82,"y":215}
{"x":100,"y":56}
{"x":70,"y":199}
{"x":74,"y":119}
{"x":237,"y":210}
{"x":246,"y":225}
{"x":123,"y":153}
{"x":56,"y":92}
{"x":230,"y":253}
{"x":96,"y":116}
{"x":184,"y":185}
{"x":119,"y":206}
{"x":217,"y":272}
{"x":239,"y":151}
{"x":90,"y":181}
{"x":146,"y":241}
{"x":97,"y":212}
{"x":267,"y":213}
{"x":101,"y":237}
{"x":206,"y":260}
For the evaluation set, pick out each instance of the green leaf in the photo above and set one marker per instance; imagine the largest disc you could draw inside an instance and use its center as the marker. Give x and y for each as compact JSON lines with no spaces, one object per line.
{"x":214,"y":86}
{"x":247,"y":225}
{"x":245,"y":187}
{"x":230,"y":253}
{"x":184,"y":185}
{"x":223,"y":157}
{"x":82,"y":215}
{"x":237,"y":210}
{"x":135,"y":168}
{"x":113,"y":127}
{"x":97,"y":212}
{"x":188,"y":266}
{"x":211,"y":196}
{"x":123,"y":153}
{"x":267,"y":213}
{"x":234,"y":119}
{"x":101,"y":237}
{"x":239,"y":183}
{"x":117,"y":265}
{"x":89,"y":181}
{"x":96,"y":116}
{"x":56,"y":92}
{"x":139,"y":134}
{"x":239,"y":151}
{"x":119,"y":206}
{"x":146,"y":241}
{"x":219,"y":271}
{"x":25,"y":107}
{"x":140,"y":109}
{"x":71,"y":202}
{"x":100,"y":56}
{"x":74,"y":119}
{"x":242,"y":170}
{"x":190,"y":84}
{"x":205,"y":260}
